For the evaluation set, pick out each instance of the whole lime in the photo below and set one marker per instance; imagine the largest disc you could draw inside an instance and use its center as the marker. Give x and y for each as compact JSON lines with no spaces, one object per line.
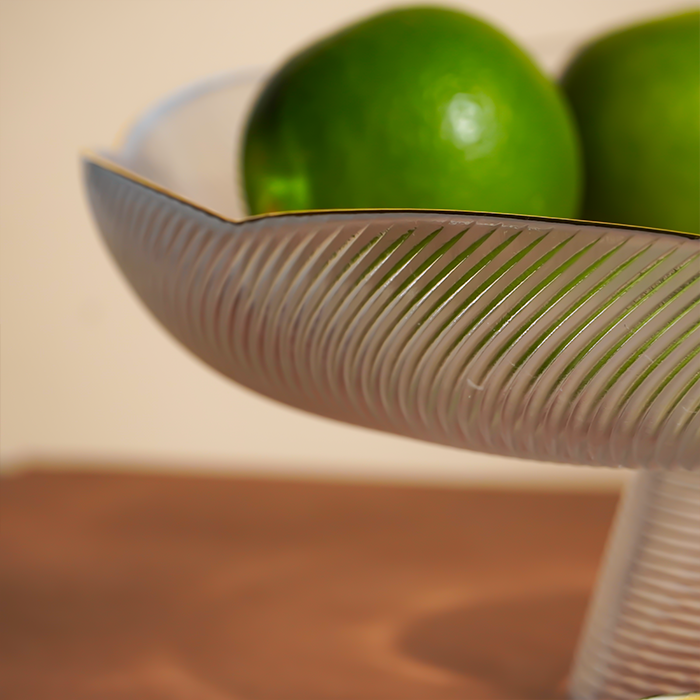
{"x":636,"y":96}
{"x":413,"y":108}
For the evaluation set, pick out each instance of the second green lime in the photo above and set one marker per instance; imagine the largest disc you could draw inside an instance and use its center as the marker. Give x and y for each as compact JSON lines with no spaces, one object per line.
{"x":414,"y":108}
{"x":636,"y":96}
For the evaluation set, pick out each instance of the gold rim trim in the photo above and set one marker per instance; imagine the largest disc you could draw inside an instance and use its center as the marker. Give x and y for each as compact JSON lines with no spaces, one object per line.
{"x":106,"y":163}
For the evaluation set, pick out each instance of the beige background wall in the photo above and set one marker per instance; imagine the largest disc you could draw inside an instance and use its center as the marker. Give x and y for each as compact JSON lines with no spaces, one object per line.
{"x":84,"y":370}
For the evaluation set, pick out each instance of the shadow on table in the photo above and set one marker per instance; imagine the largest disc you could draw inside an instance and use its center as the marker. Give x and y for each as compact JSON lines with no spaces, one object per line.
{"x":470,"y":641}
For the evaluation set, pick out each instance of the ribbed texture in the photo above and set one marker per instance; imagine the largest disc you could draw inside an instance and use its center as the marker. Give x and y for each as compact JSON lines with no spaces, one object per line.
{"x":544,"y":340}
{"x":643,"y":637}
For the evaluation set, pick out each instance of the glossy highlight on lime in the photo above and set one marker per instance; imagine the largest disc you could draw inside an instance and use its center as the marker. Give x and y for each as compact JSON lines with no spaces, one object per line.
{"x":414,"y":108}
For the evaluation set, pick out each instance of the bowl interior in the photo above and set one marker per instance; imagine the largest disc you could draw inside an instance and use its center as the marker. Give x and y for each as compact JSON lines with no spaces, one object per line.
{"x":188,"y":143}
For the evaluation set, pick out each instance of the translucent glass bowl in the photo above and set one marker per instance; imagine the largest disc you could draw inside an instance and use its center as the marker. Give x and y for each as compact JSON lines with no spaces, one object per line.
{"x":554,"y":340}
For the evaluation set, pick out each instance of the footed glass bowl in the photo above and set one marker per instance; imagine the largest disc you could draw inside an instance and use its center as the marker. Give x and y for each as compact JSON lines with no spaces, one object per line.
{"x":556,"y":340}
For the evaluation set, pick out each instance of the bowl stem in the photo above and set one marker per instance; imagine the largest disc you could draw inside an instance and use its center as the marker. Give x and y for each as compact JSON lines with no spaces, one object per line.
{"x":642,"y":635}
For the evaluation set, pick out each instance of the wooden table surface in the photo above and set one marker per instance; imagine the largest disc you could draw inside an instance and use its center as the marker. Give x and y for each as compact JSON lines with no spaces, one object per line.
{"x":185,"y":588}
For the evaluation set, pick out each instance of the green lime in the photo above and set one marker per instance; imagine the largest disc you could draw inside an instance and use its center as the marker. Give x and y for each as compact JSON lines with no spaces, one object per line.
{"x":636,"y":96}
{"x":413,"y":108}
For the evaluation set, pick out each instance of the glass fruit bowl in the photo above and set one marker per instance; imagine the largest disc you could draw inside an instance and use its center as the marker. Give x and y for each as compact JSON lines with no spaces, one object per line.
{"x":546,"y":339}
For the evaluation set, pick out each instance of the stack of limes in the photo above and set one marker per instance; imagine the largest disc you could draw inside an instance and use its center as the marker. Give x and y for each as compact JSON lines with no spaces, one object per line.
{"x":431,"y":108}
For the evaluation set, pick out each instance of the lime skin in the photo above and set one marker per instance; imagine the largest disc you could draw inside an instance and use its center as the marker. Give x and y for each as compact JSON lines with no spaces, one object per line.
{"x":636,"y":96}
{"x":414,"y":108}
